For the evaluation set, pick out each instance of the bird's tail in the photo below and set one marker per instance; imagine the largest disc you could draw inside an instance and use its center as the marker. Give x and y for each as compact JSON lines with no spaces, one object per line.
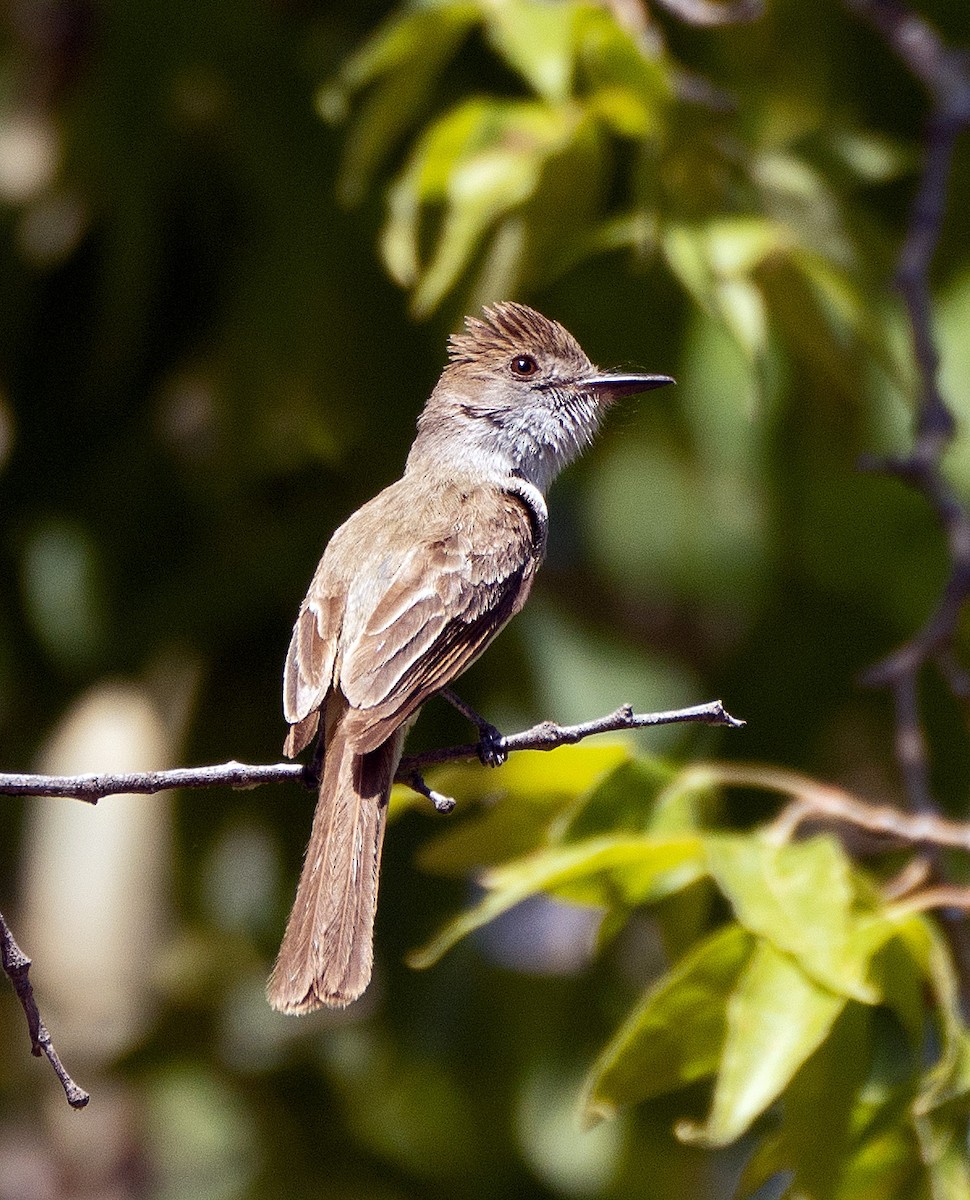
{"x":327,"y":953}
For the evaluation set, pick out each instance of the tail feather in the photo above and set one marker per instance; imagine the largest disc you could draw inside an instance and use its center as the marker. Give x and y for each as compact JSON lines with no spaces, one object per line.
{"x":326,"y":957}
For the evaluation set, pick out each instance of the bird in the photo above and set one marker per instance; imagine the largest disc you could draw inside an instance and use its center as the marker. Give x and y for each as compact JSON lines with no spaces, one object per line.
{"x":409,"y":592}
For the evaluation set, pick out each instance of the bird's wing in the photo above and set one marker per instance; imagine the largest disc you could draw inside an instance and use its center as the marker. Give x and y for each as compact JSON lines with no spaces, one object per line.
{"x":308,"y":673}
{"x":436,"y":610}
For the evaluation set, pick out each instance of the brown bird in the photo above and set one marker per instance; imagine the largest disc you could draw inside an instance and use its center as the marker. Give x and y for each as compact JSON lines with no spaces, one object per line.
{"x":410,"y":590}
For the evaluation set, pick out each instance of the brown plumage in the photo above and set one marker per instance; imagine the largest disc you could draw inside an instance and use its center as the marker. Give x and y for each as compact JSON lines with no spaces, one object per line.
{"x":410,"y":590}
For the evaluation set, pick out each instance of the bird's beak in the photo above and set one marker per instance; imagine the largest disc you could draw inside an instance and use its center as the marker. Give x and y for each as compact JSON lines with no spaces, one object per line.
{"x":614,"y":386}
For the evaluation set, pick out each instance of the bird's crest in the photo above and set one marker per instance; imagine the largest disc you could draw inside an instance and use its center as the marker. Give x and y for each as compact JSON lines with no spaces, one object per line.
{"x":509,"y":328}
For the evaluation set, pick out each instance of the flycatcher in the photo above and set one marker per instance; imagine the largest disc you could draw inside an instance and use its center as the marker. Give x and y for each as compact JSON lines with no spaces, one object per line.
{"x":410,"y":590}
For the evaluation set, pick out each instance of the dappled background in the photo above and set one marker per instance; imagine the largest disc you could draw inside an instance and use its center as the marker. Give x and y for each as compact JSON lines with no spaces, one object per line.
{"x":232,"y":246}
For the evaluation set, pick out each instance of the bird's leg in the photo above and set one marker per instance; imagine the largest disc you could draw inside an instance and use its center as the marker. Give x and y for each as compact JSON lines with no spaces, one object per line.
{"x":442,"y":804}
{"x":491,"y":750}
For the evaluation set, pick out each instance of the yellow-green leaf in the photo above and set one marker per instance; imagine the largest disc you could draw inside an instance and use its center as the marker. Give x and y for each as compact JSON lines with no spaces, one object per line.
{"x":625,"y":870}
{"x":524,"y":798}
{"x":776,"y":1017}
{"x":674,"y":1035}
{"x":800,"y":897}
{"x":536,"y":39}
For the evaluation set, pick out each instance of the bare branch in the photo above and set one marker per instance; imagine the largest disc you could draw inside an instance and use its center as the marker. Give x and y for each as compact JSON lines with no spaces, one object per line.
{"x":547,"y":736}
{"x":945,"y":75}
{"x":16,"y":965}
{"x":946,"y":895}
{"x":943,"y":72}
{"x":814,"y":800}
{"x":91,"y":788}
{"x":711,"y":13}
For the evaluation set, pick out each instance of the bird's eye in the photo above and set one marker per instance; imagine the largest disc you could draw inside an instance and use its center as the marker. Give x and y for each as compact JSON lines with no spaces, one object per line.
{"x":524,"y":366}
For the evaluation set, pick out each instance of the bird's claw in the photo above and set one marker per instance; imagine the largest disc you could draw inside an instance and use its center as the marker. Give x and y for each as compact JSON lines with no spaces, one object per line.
{"x":491,"y":746}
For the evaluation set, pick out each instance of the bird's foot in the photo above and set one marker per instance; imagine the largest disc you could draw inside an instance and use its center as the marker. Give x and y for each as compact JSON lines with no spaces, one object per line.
{"x":491,"y":743}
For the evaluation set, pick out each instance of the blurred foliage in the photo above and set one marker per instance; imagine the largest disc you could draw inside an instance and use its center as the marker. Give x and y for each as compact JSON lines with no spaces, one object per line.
{"x":808,"y":991}
{"x":219,"y":227}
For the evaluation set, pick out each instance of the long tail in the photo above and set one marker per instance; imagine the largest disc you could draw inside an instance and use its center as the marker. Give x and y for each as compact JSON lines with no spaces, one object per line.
{"x":327,"y":953}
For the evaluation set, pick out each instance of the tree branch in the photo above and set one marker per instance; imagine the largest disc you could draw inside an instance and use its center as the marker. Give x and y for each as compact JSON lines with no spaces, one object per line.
{"x":812,"y":800}
{"x":945,"y":75}
{"x":545,"y":736}
{"x":948,"y":895}
{"x":16,"y":965}
{"x":549,"y":736}
{"x":92,"y":788}
{"x":711,"y":13}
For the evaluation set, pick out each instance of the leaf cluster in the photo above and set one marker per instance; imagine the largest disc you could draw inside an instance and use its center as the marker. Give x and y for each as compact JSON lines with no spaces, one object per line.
{"x":822,"y":1018}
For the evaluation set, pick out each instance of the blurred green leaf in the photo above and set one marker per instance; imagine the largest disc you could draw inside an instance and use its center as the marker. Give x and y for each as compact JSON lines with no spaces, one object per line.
{"x":943,"y":1145}
{"x":536,"y":39}
{"x":820,"y":1104}
{"x":624,"y":870}
{"x":777,"y":1016}
{"x":716,"y":262}
{"x":521,"y":802}
{"x":478,"y":163}
{"x":622,"y":802}
{"x":800,"y":897}
{"x":674,"y":1036}
{"x":611,"y":57}
{"x":401,"y":63}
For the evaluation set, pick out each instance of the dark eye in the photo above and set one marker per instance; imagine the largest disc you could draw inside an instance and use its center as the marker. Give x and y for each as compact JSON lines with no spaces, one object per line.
{"x":524,"y":366}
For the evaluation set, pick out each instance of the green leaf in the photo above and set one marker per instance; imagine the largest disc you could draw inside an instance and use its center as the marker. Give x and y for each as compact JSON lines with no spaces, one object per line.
{"x":947,"y":1082}
{"x":424,"y":180}
{"x":943,"y":1148}
{"x":716,"y":262}
{"x":884,"y":1167}
{"x":622,"y":110}
{"x":674,"y":1035}
{"x":800,"y":897}
{"x":400,"y":64}
{"x":624,"y":870}
{"x":398,"y":43}
{"x":623,"y":802}
{"x":610,"y":57}
{"x":536,"y":39}
{"x":742,"y":308}
{"x":475,"y":165}
{"x":524,"y":797}
{"x":736,"y":246}
{"x":776,"y":1018}
{"x":901,"y":983}
{"x":684,"y":248}
{"x":820,"y":1104}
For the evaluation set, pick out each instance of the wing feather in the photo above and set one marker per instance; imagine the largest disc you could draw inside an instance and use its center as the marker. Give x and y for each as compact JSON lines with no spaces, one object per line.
{"x":390,"y":620}
{"x":465,"y":585}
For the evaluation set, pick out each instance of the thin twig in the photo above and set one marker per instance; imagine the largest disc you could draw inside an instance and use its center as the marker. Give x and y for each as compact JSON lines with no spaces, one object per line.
{"x":546,"y":736}
{"x":16,"y":965}
{"x":946,"y":895}
{"x":945,"y":75}
{"x":711,"y":13}
{"x":92,"y":788}
{"x":811,"y":800}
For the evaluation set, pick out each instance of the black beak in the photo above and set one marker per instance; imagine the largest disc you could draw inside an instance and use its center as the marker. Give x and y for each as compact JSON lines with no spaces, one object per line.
{"x":625,"y":385}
